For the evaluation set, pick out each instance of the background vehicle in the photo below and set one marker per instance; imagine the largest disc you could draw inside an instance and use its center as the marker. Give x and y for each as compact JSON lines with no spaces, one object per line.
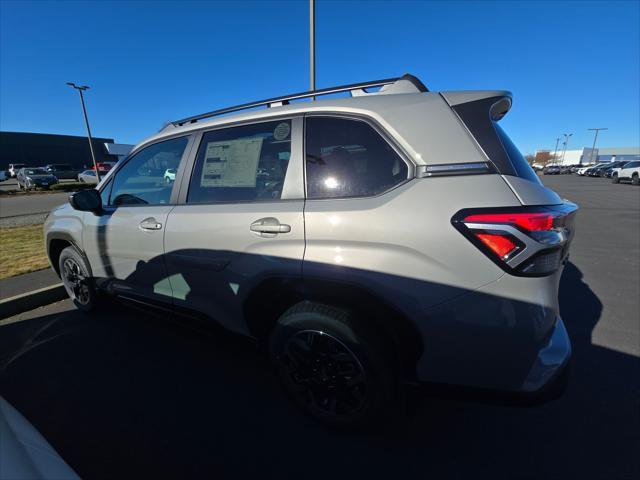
{"x":29,"y":178}
{"x":581,"y":171}
{"x":595,"y":171}
{"x":104,"y":167}
{"x":14,"y":167}
{"x":3,"y":176}
{"x":169,"y":175}
{"x":25,"y":452}
{"x":318,"y":229}
{"x":61,"y":170}
{"x":88,"y":176}
{"x":629,"y":172}
{"x":552,"y":170}
{"x":608,"y":169}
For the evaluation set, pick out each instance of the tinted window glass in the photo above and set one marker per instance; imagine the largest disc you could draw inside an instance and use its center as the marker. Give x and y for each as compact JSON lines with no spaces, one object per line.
{"x":240,"y":164}
{"x":104,"y":194}
{"x":520,"y":164}
{"x":348,"y":158}
{"x":141,"y":179}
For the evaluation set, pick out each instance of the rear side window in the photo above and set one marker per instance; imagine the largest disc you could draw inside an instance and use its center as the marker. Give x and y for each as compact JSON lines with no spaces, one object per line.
{"x":520,"y":164}
{"x":504,"y":155}
{"x":242,"y":164}
{"x":348,"y":158}
{"x":141,"y":180}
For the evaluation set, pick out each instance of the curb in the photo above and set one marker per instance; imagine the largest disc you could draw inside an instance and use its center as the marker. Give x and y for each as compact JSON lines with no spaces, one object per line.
{"x":33,"y":299}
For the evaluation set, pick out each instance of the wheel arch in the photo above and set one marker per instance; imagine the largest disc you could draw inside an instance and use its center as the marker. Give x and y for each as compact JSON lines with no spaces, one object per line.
{"x":272,"y":297}
{"x":56,"y":243}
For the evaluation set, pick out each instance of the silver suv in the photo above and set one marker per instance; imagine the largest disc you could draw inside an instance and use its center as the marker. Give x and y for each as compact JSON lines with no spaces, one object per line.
{"x":394,"y":236}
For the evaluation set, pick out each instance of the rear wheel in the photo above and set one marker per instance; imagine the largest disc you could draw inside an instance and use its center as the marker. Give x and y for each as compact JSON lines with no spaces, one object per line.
{"x":76,"y":279}
{"x":615,"y":178}
{"x":635,"y":179}
{"x":333,"y":365}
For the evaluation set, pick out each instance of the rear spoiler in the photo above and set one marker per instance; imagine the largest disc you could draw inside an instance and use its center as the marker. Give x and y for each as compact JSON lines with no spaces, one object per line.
{"x":500,"y":100}
{"x":479,"y":112}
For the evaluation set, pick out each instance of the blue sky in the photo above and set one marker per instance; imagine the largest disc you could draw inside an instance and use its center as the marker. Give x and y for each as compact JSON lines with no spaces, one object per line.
{"x":570,"y":65}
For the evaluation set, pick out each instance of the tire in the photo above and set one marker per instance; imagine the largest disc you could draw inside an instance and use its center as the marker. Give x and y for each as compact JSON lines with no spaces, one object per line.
{"x":76,"y":280}
{"x":334,"y":366}
{"x":635,"y":179}
{"x":615,"y":178}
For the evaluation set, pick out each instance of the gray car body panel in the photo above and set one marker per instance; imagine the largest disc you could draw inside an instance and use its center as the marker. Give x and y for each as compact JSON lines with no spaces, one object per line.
{"x":479,"y":326}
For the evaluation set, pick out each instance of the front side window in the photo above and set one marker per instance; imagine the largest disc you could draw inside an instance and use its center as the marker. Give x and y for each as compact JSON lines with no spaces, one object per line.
{"x":242,"y":164}
{"x":141,"y":180}
{"x":348,"y":158}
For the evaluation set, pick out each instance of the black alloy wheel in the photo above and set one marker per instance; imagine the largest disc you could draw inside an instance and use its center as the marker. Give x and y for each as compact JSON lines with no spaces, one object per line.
{"x":324,"y":373}
{"x":76,"y":282}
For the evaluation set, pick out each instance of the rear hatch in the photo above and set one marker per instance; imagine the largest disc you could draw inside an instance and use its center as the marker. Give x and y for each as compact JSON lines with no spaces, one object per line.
{"x":480,"y":113}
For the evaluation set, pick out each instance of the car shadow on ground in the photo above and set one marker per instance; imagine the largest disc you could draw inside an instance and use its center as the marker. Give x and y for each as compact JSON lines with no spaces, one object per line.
{"x":151,"y":399}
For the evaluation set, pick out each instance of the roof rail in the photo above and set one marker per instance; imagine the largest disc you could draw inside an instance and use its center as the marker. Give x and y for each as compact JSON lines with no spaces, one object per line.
{"x":279,"y":101}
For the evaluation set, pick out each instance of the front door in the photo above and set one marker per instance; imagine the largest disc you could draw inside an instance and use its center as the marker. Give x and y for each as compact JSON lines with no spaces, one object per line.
{"x":125,"y":244}
{"x":239,"y":221}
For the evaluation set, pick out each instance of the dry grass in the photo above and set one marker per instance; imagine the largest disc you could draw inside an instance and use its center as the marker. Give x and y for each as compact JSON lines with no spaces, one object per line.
{"x":21,"y":250}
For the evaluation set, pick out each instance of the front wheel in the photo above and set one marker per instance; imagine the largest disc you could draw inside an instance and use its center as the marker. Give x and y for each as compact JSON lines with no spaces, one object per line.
{"x":334,"y":366}
{"x":615,"y":178}
{"x":77,"y":280}
{"x":635,"y":179}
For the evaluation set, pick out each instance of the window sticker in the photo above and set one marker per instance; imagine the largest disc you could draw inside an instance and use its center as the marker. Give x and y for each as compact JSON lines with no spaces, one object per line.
{"x":231,"y":163}
{"x":281,"y":131}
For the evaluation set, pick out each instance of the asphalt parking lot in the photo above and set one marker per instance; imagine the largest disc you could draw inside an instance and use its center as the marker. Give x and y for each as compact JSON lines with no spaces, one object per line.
{"x":124,"y":394}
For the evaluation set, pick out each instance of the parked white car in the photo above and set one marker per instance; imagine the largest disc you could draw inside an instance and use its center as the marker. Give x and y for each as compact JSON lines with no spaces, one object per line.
{"x":170,"y":175}
{"x":581,"y":171}
{"x":629,"y":172}
{"x":88,"y":176}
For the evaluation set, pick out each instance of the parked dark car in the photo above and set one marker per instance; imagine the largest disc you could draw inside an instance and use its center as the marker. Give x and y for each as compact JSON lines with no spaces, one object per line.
{"x":29,"y":178}
{"x":595,"y":171}
{"x":552,"y":170}
{"x":607,"y":170}
{"x":62,"y":170}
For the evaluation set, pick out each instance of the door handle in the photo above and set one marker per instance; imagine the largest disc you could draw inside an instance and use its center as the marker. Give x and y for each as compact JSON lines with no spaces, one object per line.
{"x":150,"y":224}
{"x":269,"y":227}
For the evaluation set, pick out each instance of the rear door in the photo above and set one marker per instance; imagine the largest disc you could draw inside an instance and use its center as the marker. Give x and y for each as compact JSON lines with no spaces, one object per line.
{"x":239,"y":221}
{"x":124,"y":244}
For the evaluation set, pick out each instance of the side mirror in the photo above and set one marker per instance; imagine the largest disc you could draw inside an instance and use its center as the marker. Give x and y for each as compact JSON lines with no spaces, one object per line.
{"x":86,"y":200}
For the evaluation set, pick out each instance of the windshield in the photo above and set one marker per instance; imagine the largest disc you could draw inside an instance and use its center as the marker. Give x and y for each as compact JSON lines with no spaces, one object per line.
{"x":35,"y":171}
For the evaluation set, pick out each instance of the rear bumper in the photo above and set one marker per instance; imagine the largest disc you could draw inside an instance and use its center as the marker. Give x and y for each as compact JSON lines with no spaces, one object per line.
{"x":551,"y":361}
{"x":506,"y":336}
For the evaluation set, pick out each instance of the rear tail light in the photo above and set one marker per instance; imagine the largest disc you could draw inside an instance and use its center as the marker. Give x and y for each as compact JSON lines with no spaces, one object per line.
{"x":526,"y":241}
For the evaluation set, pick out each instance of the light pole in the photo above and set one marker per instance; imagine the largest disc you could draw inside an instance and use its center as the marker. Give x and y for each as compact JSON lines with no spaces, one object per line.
{"x":595,"y":138}
{"x":80,"y":89}
{"x":566,"y":141}
{"x":555,"y":152}
{"x":312,"y":44}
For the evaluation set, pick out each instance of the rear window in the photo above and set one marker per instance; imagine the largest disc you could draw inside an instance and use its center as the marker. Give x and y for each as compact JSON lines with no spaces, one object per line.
{"x":496,"y":144}
{"x":520,"y":164}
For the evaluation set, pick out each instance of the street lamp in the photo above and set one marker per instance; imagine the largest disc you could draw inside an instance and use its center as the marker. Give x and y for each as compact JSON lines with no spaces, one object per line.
{"x":81,"y":89}
{"x":595,"y":138}
{"x":312,"y":45}
{"x":566,"y":141}
{"x":555,"y":152}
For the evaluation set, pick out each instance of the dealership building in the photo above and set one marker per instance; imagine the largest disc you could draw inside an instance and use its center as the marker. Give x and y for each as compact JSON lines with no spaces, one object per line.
{"x":587,"y":155}
{"x":39,"y":149}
